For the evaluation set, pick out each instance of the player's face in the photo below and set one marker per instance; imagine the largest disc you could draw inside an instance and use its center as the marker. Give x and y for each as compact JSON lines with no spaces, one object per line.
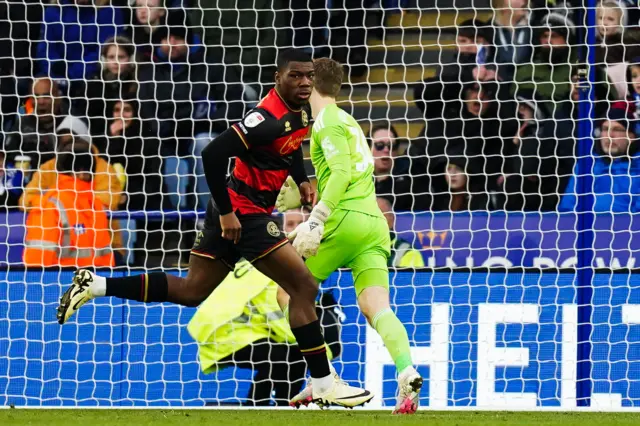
{"x":295,"y":82}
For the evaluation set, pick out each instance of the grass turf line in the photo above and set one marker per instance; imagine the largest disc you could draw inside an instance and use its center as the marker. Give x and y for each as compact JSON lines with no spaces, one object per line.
{"x":73,"y":417}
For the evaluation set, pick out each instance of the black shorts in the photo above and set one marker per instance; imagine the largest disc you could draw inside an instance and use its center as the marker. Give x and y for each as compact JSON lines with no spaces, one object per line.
{"x":260,"y":236}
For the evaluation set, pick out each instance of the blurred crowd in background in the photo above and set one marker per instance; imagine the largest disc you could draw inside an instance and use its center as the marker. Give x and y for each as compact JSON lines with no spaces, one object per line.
{"x":141,"y":86}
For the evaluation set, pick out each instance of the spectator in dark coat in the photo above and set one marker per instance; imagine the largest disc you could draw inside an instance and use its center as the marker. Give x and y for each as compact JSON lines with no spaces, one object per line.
{"x":148,"y":17}
{"x":460,"y":190}
{"x":513,"y":35}
{"x":616,"y":166}
{"x":539,"y":173}
{"x":115,"y":79}
{"x":34,"y":134}
{"x":136,"y":157}
{"x":183,"y":97}
{"x":478,"y":133}
{"x":435,"y":94}
{"x":72,"y":33}
{"x":478,"y":127}
{"x":391,"y":174}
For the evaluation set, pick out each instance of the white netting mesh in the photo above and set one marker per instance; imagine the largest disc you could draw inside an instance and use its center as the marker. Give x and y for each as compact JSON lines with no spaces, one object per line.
{"x":478,"y":108}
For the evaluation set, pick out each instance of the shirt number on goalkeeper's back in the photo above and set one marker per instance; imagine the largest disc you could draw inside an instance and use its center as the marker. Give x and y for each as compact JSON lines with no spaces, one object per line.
{"x":366,"y":158}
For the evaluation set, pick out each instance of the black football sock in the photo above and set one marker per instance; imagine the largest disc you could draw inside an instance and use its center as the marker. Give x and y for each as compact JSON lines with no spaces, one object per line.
{"x":313,"y":349}
{"x":151,"y":287}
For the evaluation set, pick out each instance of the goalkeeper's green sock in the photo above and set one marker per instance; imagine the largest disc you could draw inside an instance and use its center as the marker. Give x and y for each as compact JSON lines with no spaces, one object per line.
{"x":394,"y":336}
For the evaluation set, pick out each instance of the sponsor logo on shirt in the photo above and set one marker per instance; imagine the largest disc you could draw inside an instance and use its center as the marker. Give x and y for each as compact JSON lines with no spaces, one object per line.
{"x":291,"y":144}
{"x":253,"y":119}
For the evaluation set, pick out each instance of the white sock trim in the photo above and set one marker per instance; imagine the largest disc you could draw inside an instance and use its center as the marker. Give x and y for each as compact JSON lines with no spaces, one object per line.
{"x":98,"y":286}
{"x":322,"y":384}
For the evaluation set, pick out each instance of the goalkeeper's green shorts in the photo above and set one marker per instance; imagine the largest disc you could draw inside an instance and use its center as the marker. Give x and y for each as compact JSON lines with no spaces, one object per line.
{"x":354,"y":240}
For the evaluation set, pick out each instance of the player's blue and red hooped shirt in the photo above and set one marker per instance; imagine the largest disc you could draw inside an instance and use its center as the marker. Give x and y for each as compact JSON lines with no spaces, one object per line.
{"x":273,"y":133}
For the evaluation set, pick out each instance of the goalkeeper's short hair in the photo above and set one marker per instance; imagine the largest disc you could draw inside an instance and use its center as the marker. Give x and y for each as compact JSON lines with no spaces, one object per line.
{"x":328,"y":76}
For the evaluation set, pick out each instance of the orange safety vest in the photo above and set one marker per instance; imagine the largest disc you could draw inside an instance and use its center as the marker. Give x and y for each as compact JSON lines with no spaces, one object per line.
{"x":69,"y":228}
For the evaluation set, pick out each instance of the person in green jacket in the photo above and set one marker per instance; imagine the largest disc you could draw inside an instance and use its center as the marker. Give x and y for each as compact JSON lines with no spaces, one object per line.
{"x":403,"y":255}
{"x":241,"y":324}
{"x":549,"y":71}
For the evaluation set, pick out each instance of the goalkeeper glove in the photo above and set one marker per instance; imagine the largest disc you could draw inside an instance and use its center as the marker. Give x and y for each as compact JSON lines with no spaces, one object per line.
{"x":289,"y":196}
{"x":307,"y":236}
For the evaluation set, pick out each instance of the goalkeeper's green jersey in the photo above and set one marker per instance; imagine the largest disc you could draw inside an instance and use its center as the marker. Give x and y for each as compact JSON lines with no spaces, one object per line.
{"x":343,"y":163}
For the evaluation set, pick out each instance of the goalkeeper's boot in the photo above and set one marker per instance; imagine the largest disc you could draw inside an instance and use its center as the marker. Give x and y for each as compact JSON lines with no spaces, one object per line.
{"x":76,"y":295}
{"x":409,"y":386}
{"x":341,"y":394}
{"x":304,"y":398}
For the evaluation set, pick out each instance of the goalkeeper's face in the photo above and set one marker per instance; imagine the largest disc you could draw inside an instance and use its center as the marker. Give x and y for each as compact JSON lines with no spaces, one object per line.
{"x":295,"y":82}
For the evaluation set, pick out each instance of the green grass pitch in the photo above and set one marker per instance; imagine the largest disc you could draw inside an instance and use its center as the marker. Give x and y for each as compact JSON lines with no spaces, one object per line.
{"x":73,"y":417}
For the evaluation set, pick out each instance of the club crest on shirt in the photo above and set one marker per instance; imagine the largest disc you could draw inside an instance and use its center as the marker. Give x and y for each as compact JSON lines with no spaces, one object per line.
{"x":253,"y":119}
{"x":305,"y":118}
{"x":273,"y":229}
{"x":287,"y":126}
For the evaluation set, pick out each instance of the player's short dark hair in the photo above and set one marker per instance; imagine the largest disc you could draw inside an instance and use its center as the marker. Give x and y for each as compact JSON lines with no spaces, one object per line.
{"x":75,"y":157}
{"x":328,"y":76}
{"x":291,"y":55}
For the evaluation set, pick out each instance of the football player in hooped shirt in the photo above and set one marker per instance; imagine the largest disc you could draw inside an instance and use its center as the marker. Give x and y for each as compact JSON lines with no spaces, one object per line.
{"x":267,"y":147}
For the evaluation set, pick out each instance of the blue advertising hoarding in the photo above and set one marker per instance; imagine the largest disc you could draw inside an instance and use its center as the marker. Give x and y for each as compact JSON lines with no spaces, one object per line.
{"x":475,"y":239}
{"x":490,"y":340}
{"x":545,"y":240}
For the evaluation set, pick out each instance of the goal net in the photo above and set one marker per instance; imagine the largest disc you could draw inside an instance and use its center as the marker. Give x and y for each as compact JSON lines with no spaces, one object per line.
{"x":504,"y":136}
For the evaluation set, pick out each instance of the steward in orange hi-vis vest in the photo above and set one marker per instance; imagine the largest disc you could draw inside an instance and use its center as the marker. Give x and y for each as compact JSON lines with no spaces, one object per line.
{"x":69,"y":227}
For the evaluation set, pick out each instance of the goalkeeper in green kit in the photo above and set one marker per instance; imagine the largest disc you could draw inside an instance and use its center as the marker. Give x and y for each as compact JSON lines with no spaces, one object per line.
{"x":346,"y":228}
